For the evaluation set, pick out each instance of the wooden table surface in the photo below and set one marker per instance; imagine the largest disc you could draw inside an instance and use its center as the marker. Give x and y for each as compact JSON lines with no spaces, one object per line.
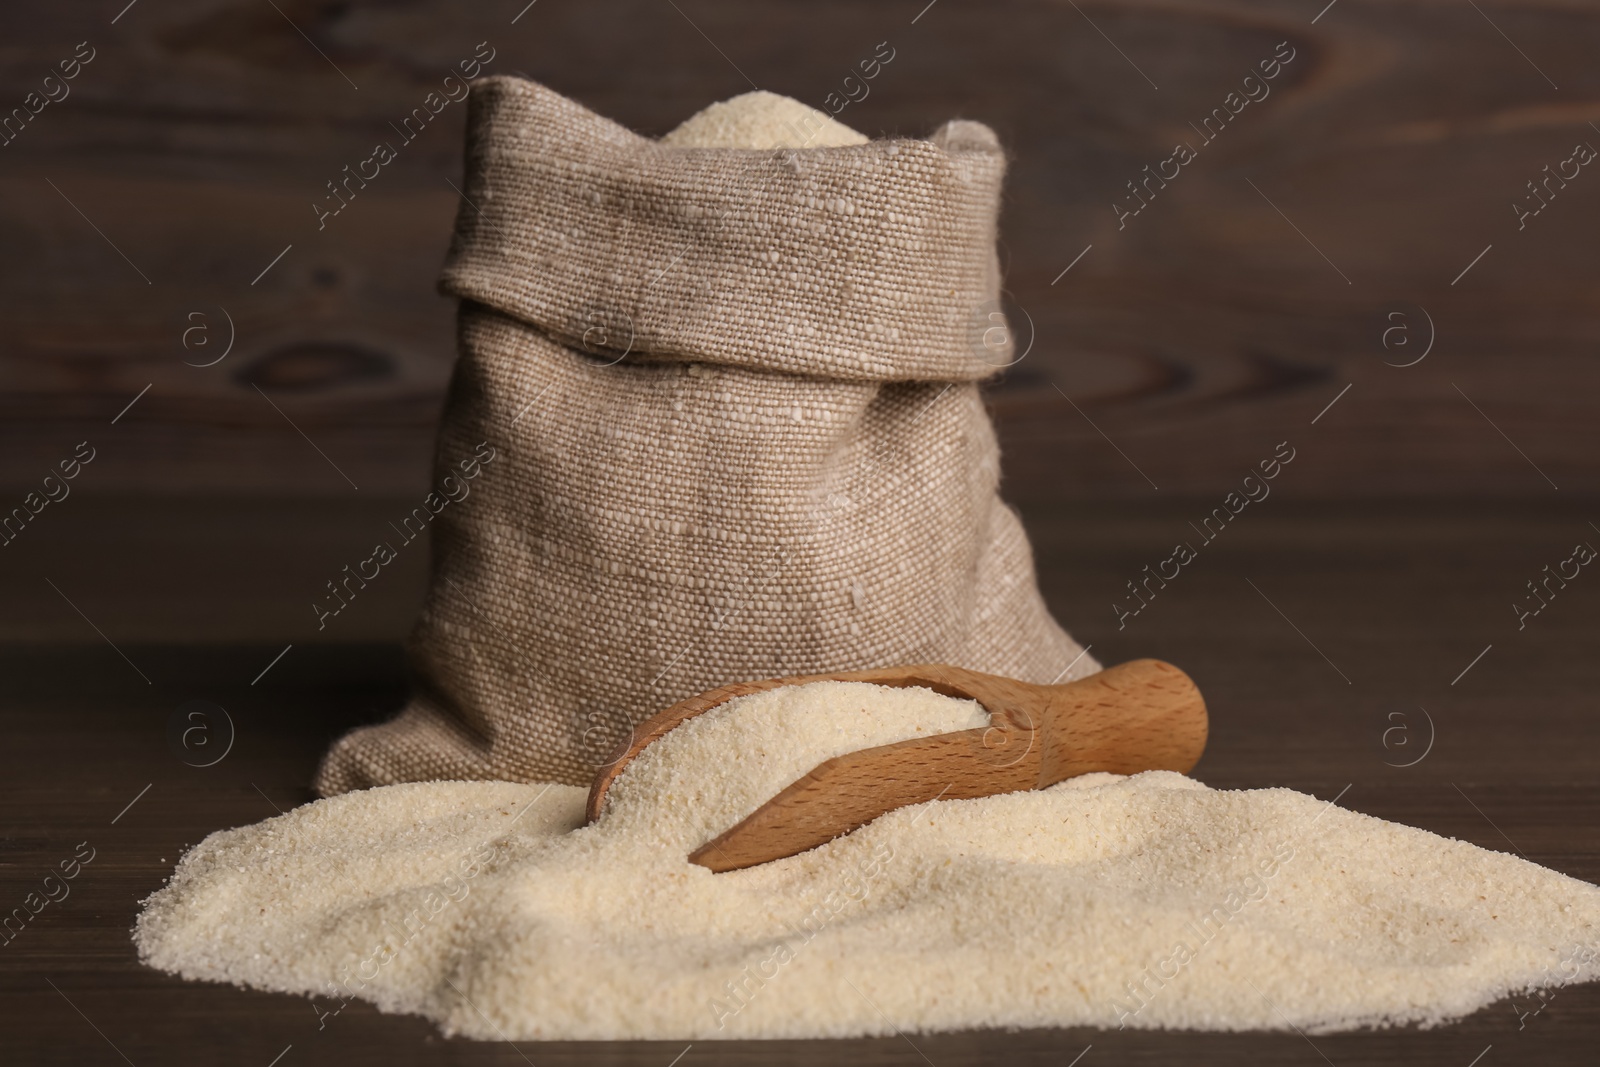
{"x":1313,"y":629}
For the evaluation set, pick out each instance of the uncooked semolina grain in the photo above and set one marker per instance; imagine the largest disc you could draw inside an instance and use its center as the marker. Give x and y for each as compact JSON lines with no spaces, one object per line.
{"x":1149,"y":901}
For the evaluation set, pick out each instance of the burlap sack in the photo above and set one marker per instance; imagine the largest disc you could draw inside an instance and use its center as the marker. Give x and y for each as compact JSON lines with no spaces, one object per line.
{"x":730,"y":398}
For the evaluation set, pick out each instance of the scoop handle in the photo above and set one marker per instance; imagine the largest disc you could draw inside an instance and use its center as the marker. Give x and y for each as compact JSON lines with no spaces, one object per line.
{"x":1142,"y":715}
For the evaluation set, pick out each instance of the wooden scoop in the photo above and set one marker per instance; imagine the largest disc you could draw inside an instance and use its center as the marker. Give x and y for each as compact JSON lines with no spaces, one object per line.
{"x":1140,"y":716}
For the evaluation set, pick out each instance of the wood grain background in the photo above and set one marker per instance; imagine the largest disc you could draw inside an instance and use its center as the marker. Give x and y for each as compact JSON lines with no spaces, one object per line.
{"x":1223,"y":319}
{"x":1219,"y":321}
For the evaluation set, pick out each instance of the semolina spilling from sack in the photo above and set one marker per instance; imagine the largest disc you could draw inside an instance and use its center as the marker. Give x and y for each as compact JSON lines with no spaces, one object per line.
{"x":732,"y":394}
{"x":1144,"y":902}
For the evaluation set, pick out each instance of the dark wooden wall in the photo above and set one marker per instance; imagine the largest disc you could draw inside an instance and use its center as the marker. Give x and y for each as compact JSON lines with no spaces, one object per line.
{"x":1220,"y":321}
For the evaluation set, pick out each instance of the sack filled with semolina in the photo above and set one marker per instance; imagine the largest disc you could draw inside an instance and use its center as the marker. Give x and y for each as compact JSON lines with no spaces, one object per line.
{"x":729,"y":383}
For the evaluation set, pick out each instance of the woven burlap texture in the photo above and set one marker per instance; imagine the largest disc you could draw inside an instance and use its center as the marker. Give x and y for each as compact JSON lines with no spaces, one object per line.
{"x":733,"y":406}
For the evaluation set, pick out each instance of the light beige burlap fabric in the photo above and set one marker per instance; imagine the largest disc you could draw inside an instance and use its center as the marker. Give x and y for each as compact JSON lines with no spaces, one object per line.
{"x":737,"y":434}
